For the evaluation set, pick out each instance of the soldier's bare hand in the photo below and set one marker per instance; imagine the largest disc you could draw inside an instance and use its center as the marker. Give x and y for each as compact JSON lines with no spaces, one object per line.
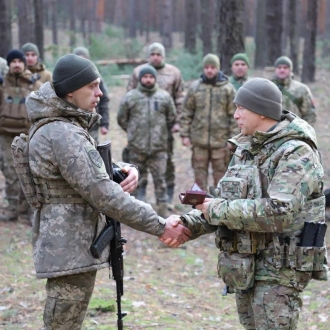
{"x":186,"y":141}
{"x":203,"y":207}
{"x":175,"y":128}
{"x":131,"y":182}
{"x":104,"y":130}
{"x":175,"y":233}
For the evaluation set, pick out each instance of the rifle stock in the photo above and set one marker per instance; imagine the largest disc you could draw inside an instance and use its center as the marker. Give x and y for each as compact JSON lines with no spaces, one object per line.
{"x":112,"y":234}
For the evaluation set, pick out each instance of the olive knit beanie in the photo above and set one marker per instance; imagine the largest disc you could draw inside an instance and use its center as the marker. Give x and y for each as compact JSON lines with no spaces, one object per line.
{"x":13,"y":54}
{"x":30,"y":47}
{"x":156,"y":48}
{"x":72,"y":72}
{"x":147,"y":69}
{"x":81,"y":51}
{"x":240,"y":57}
{"x":211,"y":59}
{"x":261,"y":96}
{"x":283,"y":60}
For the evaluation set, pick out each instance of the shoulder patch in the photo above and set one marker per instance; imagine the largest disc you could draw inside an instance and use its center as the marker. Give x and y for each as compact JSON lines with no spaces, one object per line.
{"x":95,"y":157}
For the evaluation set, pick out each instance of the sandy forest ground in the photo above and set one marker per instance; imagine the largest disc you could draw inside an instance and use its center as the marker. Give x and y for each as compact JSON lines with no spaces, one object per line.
{"x":164,"y":288}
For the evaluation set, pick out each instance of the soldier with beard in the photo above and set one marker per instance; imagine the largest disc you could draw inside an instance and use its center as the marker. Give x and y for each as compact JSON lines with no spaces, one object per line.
{"x":33,"y":62}
{"x":168,"y":78}
{"x":17,"y":84}
{"x":207,"y":121}
{"x":147,"y":114}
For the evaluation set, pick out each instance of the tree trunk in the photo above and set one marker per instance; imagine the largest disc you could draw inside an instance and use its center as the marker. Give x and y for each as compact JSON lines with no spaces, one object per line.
{"x":147,"y":19}
{"x":132,"y":19}
{"x":190,"y":26}
{"x":260,"y":57}
{"x":54,"y":21}
{"x":293,"y":35}
{"x":25,"y":22}
{"x":167,"y":24}
{"x":206,"y":20}
{"x":72,"y":41}
{"x":5,"y":29}
{"x":285,"y":25}
{"x":39,"y":27}
{"x":274,"y":14}
{"x":308,"y":73}
{"x":230,"y":38}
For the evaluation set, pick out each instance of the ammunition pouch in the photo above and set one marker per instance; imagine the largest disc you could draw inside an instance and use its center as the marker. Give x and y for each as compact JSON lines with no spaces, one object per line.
{"x":237,"y":270}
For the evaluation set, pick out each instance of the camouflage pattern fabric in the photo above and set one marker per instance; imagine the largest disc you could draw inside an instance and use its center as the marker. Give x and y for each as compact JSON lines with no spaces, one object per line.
{"x":269,"y":306}
{"x":147,"y":117}
{"x":3,"y":67}
{"x":67,"y":301}
{"x":237,"y":82}
{"x":40,"y":69}
{"x":73,"y":188}
{"x":156,"y":163}
{"x":208,"y":114}
{"x":201,"y":157}
{"x":297,"y":98}
{"x":170,"y":79}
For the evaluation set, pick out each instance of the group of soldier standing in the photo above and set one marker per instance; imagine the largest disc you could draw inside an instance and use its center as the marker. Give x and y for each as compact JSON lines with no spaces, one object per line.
{"x":268,"y":177}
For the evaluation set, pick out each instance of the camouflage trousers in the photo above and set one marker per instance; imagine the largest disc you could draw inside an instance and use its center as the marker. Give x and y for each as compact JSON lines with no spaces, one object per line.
{"x":67,"y":301}
{"x":170,"y":167}
{"x":156,"y":163}
{"x":269,"y":306}
{"x":202,"y":157}
{"x":13,"y":192}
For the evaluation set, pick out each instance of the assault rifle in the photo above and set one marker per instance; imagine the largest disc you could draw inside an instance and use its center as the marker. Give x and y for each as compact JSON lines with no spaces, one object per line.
{"x":111,"y":234}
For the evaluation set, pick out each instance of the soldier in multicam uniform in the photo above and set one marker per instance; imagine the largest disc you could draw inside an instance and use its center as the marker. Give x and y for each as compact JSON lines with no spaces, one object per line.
{"x":103,"y":106}
{"x":296,"y":96}
{"x":73,"y":187}
{"x":17,"y":84}
{"x":239,"y":67}
{"x":207,"y":121}
{"x":168,"y":78}
{"x":31,"y":53}
{"x":147,"y":114}
{"x":272,"y":186}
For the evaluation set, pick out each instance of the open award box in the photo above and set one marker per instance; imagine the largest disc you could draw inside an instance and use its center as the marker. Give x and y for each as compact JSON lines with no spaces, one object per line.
{"x":193,"y":196}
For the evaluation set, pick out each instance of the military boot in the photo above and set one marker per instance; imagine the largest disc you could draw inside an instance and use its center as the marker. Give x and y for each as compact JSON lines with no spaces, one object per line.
{"x":170,"y":192}
{"x":162,"y":209}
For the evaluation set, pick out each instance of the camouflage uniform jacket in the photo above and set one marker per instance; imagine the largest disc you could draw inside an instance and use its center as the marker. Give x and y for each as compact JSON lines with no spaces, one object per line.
{"x":168,"y":78}
{"x":238,"y":82}
{"x":15,"y":88}
{"x":208,"y":113}
{"x":147,"y":117}
{"x":297,"y":98}
{"x":291,"y":179}
{"x":3,"y":67}
{"x":41,"y":70}
{"x":73,"y":188}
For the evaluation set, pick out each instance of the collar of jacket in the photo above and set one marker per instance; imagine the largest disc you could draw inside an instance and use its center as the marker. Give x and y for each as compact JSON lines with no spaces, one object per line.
{"x":11,"y":78}
{"x":220,"y":78}
{"x":146,"y":90}
{"x":37,"y":67}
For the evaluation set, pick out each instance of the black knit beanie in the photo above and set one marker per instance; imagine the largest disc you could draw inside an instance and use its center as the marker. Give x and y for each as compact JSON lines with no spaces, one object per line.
{"x":13,"y":54}
{"x":261,"y":96}
{"x":147,"y":69}
{"x":72,"y":72}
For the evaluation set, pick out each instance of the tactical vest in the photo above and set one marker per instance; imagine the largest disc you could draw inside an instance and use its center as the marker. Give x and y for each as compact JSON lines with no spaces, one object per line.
{"x":13,"y":116}
{"x":39,"y":190}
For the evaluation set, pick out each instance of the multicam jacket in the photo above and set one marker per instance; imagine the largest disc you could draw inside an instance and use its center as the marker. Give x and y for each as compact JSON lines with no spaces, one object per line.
{"x":3,"y":67}
{"x":168,"y":78}
{"x":238,"y":82}
{"x":291,"y":179}
{"x":15,"y":88}
{"x":41,"y":70}
{"x":147,"y":117}
{"x":297,"y":98}
{"x":73,"y":188}
{"x":208,"y":113}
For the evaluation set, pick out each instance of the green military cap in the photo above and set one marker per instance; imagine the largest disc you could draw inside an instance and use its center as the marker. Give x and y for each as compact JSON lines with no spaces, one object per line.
{"x":283,"y":60}
{"x":30,"y":47}
{"x":240,"y":57}
{"x":211,"y":59}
